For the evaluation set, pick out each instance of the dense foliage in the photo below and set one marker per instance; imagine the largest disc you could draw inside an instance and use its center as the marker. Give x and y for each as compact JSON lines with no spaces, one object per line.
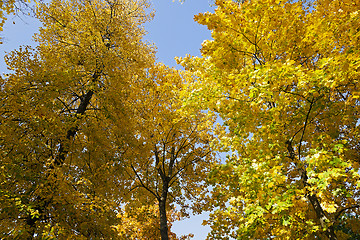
{"x":87,"y":121}
{"x":62,"y":103}
{"x":284,"y":76}
{"x":98,"y":141}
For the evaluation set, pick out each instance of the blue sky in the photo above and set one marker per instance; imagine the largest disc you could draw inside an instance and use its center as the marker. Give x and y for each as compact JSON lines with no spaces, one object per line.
{"x":173,"y":31}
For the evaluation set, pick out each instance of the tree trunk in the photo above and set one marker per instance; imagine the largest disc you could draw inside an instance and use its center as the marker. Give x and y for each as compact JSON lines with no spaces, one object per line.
{"x":31,"y":221}
{"x":31,"y":227}
{"x":162,"y":209}
{"x":330,"y":233}
{"x":320,"y":214}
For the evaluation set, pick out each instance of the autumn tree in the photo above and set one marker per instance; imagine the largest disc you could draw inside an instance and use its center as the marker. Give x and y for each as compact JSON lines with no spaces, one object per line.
{"x":177,"y":143}
{"x":65,"y":119}
{"x":284,"y":76}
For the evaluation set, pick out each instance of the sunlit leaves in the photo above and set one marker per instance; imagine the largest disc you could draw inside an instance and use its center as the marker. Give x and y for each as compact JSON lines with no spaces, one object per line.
{"x":66,"y":119}
{"x":283,"y":75}
{"x":172,"y":164}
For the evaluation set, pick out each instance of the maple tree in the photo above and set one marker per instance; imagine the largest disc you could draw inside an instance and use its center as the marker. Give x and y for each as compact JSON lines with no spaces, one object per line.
{"x":66,"y":119}
{"x":93,"y":133}
{"x":284,"y":77}
{"x":177,"y":143}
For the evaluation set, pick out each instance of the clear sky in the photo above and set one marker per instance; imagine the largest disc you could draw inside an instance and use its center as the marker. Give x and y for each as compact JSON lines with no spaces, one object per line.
{"x":173,"y":31}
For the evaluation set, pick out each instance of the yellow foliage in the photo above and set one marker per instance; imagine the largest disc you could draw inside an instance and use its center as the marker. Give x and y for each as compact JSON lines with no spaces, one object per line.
{"x":284,"y":77}
{"x":67,"y":119}
{"x":142,"y":223}
{"x":6,"y":7}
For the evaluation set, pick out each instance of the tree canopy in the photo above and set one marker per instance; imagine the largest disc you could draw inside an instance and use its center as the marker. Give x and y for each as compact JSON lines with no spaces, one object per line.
{"x":94,"y":143}
{"x":284,"y":76}
{"x":66,"y":119}
{"x":100,"y":141}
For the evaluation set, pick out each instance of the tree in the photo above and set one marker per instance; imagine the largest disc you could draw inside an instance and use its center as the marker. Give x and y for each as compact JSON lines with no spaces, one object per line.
{"x":284,"y":76}
{"x":177,"y":143}
{"x":65,"y":119}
